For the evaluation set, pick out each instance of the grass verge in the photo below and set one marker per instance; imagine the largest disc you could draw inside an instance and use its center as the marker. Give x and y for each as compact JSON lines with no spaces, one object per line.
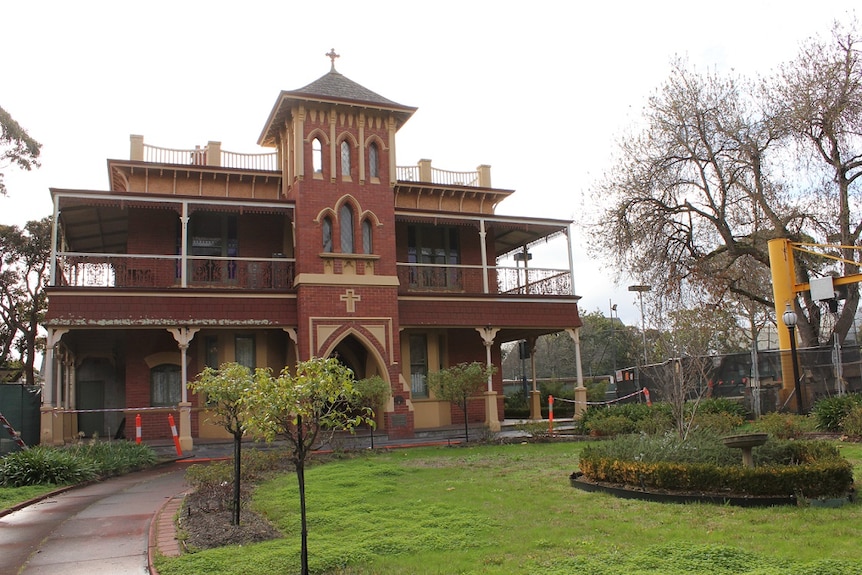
{"x":510,"y":509}
{"x":11,"y":496}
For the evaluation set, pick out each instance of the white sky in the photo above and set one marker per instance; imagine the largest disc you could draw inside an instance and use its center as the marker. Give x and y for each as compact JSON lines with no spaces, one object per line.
{"x":539,"y":90}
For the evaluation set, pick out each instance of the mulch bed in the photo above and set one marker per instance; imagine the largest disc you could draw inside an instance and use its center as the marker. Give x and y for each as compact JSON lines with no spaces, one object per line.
{"x":203,"y":529}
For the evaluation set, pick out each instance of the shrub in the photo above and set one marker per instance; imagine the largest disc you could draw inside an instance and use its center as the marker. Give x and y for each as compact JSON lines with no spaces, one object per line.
{"x":536,"y":429}
{"x":656,"y":422}
{"x":717,"y":422}
{"x":114,"y":458}
{"x":611,"y":425}
{"x":641,"y":417}
{"x":44,"y":466}
{"x":830,"y":411}
{"x":721,"y":405}
{"x":784,"y":425}
{"x":213,"y":482}
{"x":808,"y":468}
{"x":851,"y":424}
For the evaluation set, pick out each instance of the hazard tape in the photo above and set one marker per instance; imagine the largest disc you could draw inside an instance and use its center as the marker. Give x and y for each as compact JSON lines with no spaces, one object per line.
{"x":115,"y":410}
{"x":601,"y":402}
{"x":16,"y":437}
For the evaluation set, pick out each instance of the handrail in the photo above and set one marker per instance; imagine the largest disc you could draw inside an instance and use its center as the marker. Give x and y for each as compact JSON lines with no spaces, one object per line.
{"x":199,"y":156}
{"x":263,"y":161}
{"x":438,"y":176}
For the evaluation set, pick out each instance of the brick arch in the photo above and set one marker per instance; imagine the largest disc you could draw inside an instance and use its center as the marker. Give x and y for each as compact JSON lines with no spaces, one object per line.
{"x":377,"y":140}
{"x":347,"y":136}
{"x":369,"y":342}
{"x":315,"y":133}
{"x":323,"y":213}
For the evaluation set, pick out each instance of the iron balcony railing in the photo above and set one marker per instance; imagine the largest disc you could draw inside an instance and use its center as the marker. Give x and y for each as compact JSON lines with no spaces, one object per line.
{"x":429,"y":278}
{"x":158,"y":271}
{"x":76,"y":269}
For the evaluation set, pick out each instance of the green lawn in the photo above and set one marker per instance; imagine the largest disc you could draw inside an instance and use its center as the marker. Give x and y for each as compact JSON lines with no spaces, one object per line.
{"x":10,"y":496}
{"x":510,"y":509}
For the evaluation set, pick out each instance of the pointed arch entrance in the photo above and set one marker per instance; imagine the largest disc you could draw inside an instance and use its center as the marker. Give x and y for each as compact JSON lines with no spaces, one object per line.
{"x":365,"y":360}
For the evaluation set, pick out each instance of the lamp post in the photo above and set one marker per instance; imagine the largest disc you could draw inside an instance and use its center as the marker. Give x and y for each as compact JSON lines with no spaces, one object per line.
{"x":641,"y":289}
{"x":523,"y":256}
{"x":790,"y":318}
{"x":613,"y":339}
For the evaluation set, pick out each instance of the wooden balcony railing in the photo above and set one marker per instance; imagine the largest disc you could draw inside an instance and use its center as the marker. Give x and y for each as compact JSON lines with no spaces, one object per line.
{"x":210,"y":156}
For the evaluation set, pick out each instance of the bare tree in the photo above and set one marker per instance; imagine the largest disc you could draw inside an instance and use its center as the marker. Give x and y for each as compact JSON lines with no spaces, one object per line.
{"x":818,"y":97}
{"x":723,"y":165}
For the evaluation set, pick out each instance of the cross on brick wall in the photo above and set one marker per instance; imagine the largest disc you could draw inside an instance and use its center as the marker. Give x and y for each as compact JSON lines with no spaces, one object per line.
{"x":350,"y":297}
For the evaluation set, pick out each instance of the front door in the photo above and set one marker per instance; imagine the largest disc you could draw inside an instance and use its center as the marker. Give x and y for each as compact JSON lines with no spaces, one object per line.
{"x":91,"y":395}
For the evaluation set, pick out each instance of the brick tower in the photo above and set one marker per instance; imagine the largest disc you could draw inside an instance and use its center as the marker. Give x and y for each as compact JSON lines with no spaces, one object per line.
{"x":336,"y":144}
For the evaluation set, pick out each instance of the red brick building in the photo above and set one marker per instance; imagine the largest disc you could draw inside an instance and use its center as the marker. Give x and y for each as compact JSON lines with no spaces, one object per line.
{"x":324,"y":246}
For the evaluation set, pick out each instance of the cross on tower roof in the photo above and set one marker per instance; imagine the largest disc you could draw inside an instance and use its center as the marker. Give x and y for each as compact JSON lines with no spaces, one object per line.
{"x":332,"y":56}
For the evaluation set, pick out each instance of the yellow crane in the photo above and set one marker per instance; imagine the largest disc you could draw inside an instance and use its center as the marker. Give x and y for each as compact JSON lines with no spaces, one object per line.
{"x":784,"y":290}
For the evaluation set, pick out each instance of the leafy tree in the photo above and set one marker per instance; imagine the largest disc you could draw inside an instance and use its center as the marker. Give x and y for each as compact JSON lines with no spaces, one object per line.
{"x":16,"y":147}
{"x":319,"y":397}
{"x":373,"y":393}
{"x":224,"y":389}
{"x":24,"y":256}
{"x":456,"y":384}
{"x":725,"y":164}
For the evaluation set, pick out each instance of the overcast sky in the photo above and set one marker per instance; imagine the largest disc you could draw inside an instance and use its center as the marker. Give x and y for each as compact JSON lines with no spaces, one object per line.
{"x":538,"y":90}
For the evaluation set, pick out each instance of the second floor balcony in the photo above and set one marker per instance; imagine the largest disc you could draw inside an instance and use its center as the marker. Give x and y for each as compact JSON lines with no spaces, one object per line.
{"x":154,"y":272}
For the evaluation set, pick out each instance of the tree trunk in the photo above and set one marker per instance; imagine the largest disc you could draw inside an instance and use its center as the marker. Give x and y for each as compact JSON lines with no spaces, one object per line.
{"x":300,"y":475}
{"x":237,"y":464}
{"x":466,"y":429}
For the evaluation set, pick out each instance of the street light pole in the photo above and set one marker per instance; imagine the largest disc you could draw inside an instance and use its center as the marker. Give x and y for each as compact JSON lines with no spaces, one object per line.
{"x":790,"y":318}
{"x":641,"y":289}
{"x":613,"y":339}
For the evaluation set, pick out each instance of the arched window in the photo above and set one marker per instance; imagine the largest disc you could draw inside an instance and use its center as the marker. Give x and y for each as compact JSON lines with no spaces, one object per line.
{"x":317,"y":155}
{"x":345,"y":158}
{"x":327,"y":234}
{"x":373,"y":161}
{"x":367,"y":246}
{"x":345,"y":220}
{"x":165,"y":388}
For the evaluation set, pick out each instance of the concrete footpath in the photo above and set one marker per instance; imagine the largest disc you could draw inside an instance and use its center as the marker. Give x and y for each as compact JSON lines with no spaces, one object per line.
{"x":98,"y":529}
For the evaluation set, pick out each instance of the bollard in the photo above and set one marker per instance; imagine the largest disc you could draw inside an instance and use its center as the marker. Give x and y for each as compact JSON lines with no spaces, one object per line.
{"x":175,"y":434}
{"x":551,"y":414}
{"x":138,"y":429}
{"x":646,"y":395}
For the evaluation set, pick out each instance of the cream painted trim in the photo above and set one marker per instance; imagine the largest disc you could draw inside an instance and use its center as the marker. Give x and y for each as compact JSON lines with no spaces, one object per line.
{"x":179,"y":292}
{"x":345,"y":280}
{"x":170,"y":357}
{"x":326,"y":326}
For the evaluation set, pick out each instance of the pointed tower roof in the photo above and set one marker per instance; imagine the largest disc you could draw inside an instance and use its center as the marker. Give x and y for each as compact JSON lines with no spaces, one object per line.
{"x":333,"y":88}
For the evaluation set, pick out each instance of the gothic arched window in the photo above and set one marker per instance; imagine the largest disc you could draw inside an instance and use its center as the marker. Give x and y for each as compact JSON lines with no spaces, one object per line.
{"x":327,"y":234}
{"x":317,"y":155}
{"x":345,"y":158}
{"x":373,"y":161}
{"x":345,"y":220}
{"x":367,"y":246}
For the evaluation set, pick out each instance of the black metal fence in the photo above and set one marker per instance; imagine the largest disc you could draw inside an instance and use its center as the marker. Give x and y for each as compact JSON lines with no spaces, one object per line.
{"x":823,"y":372}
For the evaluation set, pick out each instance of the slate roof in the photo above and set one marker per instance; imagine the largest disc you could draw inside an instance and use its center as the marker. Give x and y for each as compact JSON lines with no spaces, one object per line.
{"x":331,"y":87}
{"x":339,"y":87}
